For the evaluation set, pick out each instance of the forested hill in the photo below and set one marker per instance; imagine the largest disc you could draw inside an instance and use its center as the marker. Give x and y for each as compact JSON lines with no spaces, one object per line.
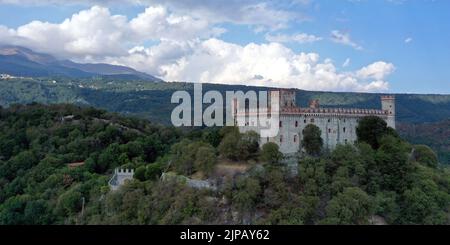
{"x":436,"y":135}
{"x":151,"y":100}
{"x":55,"y":163}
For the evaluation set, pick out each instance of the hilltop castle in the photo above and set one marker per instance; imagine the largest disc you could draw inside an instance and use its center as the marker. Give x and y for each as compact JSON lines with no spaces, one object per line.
{"x":338,"y":125}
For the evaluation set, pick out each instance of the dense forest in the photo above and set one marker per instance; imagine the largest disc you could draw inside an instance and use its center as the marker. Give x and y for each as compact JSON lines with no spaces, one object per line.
{"x":56,"y":160}
{"x":150,"y":100}
{"x":434,"y":134}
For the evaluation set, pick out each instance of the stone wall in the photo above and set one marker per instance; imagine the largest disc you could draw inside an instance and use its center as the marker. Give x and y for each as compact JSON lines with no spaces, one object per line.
{"x":338,"y":125}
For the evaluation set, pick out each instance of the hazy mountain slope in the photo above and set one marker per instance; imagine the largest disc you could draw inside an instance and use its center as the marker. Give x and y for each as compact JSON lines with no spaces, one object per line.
{"x":19,"y":61}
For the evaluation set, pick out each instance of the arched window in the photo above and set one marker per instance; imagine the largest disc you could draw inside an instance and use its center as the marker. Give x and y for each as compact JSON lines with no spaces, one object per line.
{"x":295,"y":138}
{"x":296,"y":123}
{"x":344,"y":129}
{"x":281,"y":124}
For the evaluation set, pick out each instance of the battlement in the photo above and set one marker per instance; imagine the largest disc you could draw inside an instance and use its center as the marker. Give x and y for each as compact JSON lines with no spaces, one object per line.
{"x":124,"y":171}
{"x":120,"y":177}
{"x":387,"y":97}
{"x":312,"y":110}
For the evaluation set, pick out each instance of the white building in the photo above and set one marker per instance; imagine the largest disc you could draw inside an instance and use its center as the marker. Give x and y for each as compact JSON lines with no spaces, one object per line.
{"x":120,"y":177}
{"x":338,"y":125}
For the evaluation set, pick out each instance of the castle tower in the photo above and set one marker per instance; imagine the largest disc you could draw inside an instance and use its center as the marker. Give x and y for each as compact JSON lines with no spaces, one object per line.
{"x":287,"y":98}
{"x":314,"y":104}
{"x":388,"y":105}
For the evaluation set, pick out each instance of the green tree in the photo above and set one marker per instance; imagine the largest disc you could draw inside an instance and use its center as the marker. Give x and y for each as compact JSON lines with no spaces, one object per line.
{"x":247,"y":194}
{"x":153,"y":171}
{"x":393,"y":164}
{"x":352,"y":206}
{"x":69,"y":202}
{"x":312,"y":141}
{"x":248,"y":145}
{"x":370,"y":129}
{"x":421,"y":208}
{"x":205,"y":159}
{"x":229,"y":146}
{"x":312,"y":176}
{"x":270,"y":153}
{"x":425,"y":155}
{"x":139,"y":173}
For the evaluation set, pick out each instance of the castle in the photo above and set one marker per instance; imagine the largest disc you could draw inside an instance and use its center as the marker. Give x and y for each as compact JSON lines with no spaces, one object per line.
{"x":338,"y":125}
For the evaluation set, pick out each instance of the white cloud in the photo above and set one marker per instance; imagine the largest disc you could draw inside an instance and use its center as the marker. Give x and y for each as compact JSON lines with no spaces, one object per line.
{"x":268,"y":14}
{"x":187,"y":48}
{"x":346,"y":62}
{"x":272,"y":64}
{"x":95,"y":33}
{"x":408,"y":40}
{"x":344,"y":38}
{"x":377,"y":70}
{"x":299,"y":38}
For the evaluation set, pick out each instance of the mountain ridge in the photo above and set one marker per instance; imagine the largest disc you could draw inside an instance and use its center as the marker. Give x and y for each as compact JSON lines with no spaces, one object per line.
{"x":21,"y":61}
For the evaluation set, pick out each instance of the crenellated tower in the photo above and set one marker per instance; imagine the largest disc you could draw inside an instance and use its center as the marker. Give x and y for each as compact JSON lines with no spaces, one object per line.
{"x":287,"y":98}
{"x":388,"y":106}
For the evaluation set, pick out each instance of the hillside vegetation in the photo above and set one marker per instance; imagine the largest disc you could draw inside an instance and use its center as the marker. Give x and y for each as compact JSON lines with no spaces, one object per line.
{"x":389,"y":180}
{"x":151,"y":100}
{"x":436,"y":135}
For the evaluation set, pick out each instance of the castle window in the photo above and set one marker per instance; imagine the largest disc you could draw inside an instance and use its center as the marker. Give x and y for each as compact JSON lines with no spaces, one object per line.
{"x":267,"y":139}
{"x":304,"y":121}
{"x":329,"y":130}
{"x":281,"y":124}
{"x":312,"y":120}
{"x":281,"y":138}
{"x":295,"y":138}
{"x":296,"y":123}
{"x":345,"y":141}
{"x":344,"y":129}
{"x":329,"y":120}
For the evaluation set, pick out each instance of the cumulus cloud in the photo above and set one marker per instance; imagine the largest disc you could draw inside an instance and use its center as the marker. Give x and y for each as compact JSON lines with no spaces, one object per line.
{"x":344,"y":38}
{"x":271,"y":64}
{"x":249,"y":12}
{"x":95,"y":33}
{"x":299,"y":38}
{"x":377,"y":70}
{"x":187,"y":48}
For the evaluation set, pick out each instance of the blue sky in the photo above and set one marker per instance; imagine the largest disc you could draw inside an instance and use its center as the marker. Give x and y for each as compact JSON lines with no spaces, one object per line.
{"x":346,"y":45}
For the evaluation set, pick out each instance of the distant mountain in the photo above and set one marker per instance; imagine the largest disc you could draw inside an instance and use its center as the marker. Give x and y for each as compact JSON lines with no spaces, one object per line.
{"x":20,"y":61}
